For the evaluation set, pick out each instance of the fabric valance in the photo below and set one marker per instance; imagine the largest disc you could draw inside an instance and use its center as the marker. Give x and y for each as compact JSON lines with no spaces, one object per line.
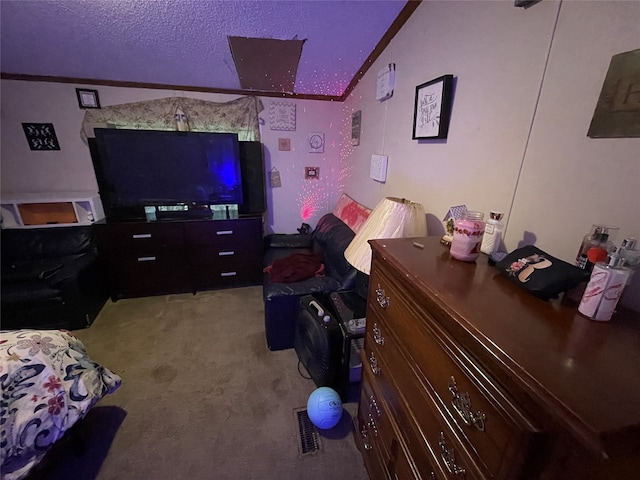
{"x":237,"y":116}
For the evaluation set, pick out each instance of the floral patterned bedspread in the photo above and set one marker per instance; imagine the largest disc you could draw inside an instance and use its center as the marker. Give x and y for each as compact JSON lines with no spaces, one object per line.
{"x":48,"y":383}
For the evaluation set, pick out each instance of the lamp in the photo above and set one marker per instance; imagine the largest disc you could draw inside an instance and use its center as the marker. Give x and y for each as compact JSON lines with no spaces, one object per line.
{"x":391,"y":218}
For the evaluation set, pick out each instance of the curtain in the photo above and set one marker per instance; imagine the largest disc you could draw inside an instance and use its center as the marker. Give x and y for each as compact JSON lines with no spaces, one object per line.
{"x":237,"y":116}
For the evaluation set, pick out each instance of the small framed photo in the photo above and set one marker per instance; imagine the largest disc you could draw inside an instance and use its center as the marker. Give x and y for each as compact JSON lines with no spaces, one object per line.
{"x":432,"y":109}
{"x":311,"y":173}
{"x":87,"y":98}
{"x":284,"y":144}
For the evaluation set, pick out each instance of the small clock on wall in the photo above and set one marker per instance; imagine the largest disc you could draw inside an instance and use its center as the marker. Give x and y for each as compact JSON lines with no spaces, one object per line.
{"x":316,"y":142}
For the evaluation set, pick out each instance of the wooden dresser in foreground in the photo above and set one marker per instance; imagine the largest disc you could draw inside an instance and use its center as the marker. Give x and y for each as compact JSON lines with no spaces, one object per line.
{"x":467,"y":376}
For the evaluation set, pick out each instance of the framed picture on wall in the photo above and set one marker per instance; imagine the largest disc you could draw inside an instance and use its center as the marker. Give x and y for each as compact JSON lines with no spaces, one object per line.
{"x":87,"y":98}
{"x":432,"y":109}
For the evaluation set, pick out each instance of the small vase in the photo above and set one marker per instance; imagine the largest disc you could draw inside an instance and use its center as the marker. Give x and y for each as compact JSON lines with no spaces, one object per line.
{"x":467,"y":236}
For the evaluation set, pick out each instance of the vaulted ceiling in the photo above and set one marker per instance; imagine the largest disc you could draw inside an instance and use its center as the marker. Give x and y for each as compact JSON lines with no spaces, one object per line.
{"x":186,"y":43}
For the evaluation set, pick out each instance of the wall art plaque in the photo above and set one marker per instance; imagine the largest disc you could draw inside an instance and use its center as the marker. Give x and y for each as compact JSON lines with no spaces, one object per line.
{"x":41,"y":136}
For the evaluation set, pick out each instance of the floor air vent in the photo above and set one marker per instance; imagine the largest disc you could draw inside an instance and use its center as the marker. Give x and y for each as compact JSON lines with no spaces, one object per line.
{"x":309,"y":440}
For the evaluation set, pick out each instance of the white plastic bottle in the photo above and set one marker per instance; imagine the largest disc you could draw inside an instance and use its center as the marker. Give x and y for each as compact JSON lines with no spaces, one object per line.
{"x":492,"y":233}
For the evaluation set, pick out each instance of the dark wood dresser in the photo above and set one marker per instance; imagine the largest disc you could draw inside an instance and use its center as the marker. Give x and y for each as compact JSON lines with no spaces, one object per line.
{"x":467,"y":376}
{"x":154,"y":258}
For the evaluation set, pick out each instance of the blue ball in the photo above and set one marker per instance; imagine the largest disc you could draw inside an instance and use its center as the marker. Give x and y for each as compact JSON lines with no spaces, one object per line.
{"x":324,"y":408}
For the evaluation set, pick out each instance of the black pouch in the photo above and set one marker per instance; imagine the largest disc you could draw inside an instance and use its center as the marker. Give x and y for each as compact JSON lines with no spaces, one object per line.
{"x":540,"y":273}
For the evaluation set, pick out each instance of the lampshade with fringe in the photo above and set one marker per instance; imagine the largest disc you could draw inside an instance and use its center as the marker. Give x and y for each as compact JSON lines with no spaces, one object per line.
{"x":391,"y":218}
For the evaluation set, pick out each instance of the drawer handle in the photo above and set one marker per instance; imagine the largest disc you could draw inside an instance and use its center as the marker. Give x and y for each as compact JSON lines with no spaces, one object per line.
{"x":146,"y":259}
{"x":365,"y":438}
{"x":228,"y":274}
{"x":373,"y":363}
{"x":225,"y":232}
{"x":449,"y":458}
{"x":373,"y":405}
{"x":372,"y":425}
{"x":226,"y":254}
{"x":377,"y":335}
{"x":141,"y":235}
{"x":462,"y":404}
{"x":383,"y":300}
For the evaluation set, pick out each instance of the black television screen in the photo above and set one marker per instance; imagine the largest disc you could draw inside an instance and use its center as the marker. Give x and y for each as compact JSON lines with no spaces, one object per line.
{"x":137,"y":168}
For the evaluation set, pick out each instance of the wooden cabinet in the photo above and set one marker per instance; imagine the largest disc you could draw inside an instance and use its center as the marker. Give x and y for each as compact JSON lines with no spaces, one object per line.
{"x":154,"y":258}
{"x":467,"y":376}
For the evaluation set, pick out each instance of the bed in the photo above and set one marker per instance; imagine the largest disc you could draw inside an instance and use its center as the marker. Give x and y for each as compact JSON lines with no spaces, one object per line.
{"x":48,"y":384}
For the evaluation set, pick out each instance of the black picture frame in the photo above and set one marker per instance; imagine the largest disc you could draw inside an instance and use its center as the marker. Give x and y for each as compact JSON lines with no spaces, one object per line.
{"x":432,"y":108}
{"x":87,"y":98}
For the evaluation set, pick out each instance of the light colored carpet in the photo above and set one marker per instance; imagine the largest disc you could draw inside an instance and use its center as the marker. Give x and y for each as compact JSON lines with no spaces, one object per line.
{"x":204,"y":398}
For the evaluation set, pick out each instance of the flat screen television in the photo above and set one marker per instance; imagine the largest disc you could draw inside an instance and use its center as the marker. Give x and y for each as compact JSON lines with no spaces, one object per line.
{"x":141,"y":168}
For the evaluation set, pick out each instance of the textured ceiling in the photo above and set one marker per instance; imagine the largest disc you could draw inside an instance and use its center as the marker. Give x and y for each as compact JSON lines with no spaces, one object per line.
{"x":184,"y":42}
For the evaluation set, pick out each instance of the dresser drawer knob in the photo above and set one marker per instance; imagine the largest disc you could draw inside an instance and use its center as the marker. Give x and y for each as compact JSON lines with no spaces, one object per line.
{"x":365,"y":438}
{"x":373,"y":405}
{"x":372,"y":425}
{"x":449,"y":458}
{"x":383,"y":300}
{"x":146,"y":259}
{"x":373,"y":363}
{"x":377,"y":335}
{"x":461,"y":403}
{"x":141,"y":235}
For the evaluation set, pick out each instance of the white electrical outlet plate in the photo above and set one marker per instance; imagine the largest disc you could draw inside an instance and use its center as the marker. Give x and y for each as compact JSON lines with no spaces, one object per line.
{"x":379,"y":168}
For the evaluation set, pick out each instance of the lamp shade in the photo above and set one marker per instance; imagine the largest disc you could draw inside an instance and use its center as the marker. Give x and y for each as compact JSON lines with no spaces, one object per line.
{"x":392,"y":218}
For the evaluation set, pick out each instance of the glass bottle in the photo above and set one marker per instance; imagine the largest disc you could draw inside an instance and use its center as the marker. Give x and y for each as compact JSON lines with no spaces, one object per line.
{"x":630,"y":256}
{"x":596,"y":245}
{"x":492,"y":233}
{"x":467,"y":236}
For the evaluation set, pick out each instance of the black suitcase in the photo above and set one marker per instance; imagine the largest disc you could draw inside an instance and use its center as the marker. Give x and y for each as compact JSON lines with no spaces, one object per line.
{"x":318,"y":342}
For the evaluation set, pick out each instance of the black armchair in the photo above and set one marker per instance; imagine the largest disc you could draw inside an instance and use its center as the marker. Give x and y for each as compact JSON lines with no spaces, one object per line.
{"x":52,"y":278}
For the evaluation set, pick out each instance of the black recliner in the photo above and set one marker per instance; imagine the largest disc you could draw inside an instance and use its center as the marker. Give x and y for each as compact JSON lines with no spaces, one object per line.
{"x":330,"y":239}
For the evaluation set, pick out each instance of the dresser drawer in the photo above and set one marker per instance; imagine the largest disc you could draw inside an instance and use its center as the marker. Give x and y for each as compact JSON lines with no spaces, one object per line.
{"x":226,"y":274}
{"x":208,"y":255}
{"x":141,"y":236}
{"x":149,"y":275}
{"x":494,"y":431}
{"x":240,"y":233}
{"x":407,"y":462}
{"x":417,"y":416}
{"x":368,"y":441}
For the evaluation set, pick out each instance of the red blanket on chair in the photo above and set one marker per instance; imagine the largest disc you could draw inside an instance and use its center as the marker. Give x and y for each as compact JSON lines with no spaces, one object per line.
{"x":295,"y":267}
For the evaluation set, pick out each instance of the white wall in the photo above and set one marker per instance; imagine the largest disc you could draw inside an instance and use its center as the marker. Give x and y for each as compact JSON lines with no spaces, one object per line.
{"x":70,"y":169}
{"x":525,"y":93}
{"x":300,"y":200}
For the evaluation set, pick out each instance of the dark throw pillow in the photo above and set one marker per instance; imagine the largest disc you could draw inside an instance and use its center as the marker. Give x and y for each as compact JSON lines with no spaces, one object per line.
{"x":540,"y":273}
